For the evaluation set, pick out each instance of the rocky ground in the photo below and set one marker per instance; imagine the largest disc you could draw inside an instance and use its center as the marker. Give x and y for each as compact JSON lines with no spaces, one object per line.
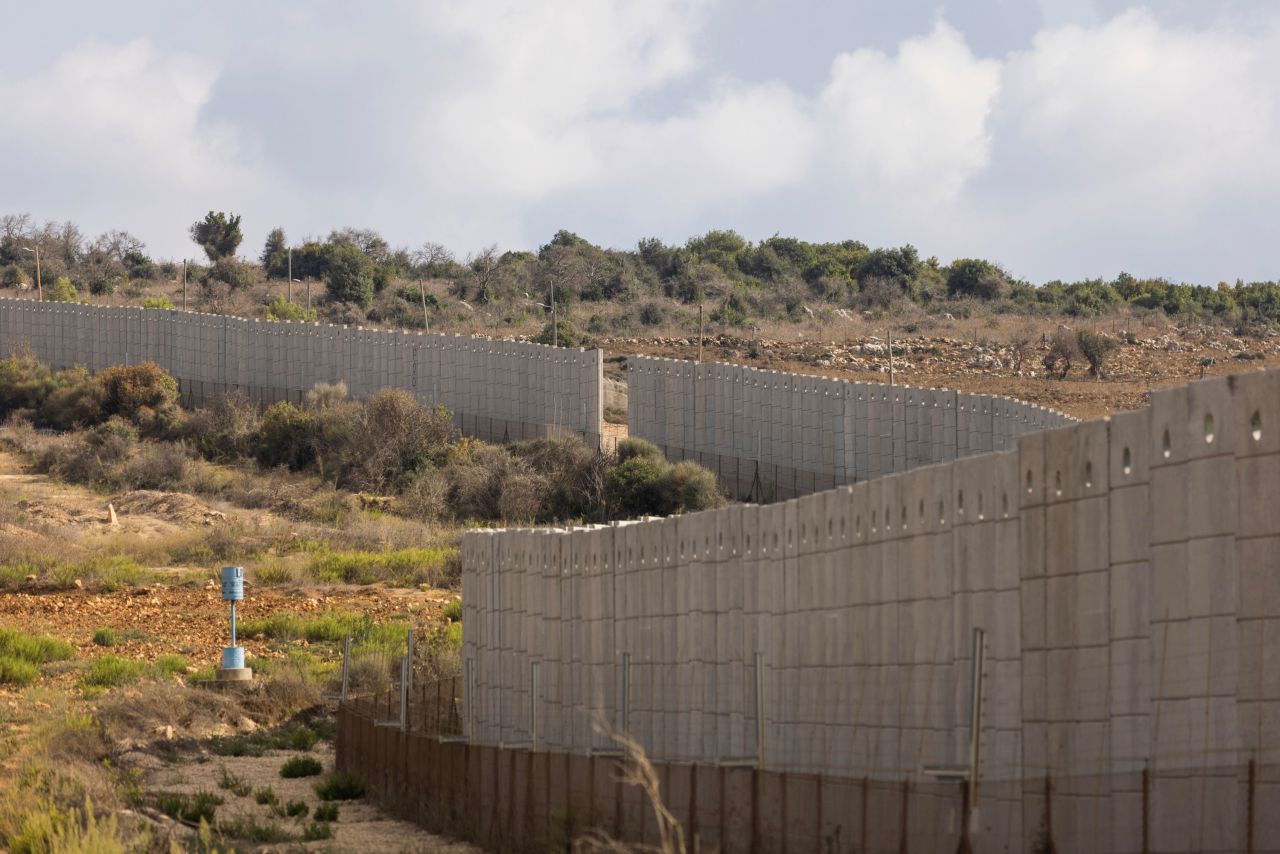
{"x":1010,"y":363}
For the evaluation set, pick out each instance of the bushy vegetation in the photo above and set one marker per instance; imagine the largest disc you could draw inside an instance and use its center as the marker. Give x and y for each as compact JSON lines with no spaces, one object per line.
{"x":300,"y":766}
{"x":137,"y":437}
{"x":340,"y":786}
{"x":740,"y":283}
{"x":22,"y":654}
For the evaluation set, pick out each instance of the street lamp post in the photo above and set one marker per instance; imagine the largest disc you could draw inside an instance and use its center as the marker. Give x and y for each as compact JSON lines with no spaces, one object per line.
{"x":39,"y":287}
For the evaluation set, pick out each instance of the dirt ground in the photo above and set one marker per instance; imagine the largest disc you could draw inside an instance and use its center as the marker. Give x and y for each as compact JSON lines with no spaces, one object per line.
{"x":180,"y":612}
{"x":360,"y":825}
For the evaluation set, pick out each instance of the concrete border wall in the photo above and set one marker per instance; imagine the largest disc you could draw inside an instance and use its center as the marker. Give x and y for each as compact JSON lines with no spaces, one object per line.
{"x":496,"y":389}
{"x":1126,"y":573}
{"x":771,"y":435}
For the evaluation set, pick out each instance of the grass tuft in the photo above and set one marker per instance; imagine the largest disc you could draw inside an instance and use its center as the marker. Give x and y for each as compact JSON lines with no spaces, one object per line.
{"x":300,"y":766}
{"x":340,"y":786}
{"x":110,"y":671}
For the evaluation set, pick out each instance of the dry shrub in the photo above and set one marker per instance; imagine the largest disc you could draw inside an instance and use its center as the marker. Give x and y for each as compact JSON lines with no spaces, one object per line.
{"x":427,"y":497}
{"x":226,"y":430}
{"x":1064,"y":351}
{"x":155,"y":465}
{"x":574,"y":475}
{"x":1096,"y":348}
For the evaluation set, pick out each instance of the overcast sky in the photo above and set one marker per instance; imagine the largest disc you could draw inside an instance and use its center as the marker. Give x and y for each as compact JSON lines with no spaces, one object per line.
{"x":1062,"y":138}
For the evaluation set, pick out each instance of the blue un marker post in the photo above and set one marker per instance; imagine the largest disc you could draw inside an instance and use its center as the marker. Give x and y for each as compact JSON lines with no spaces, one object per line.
{"x":233,"y":669}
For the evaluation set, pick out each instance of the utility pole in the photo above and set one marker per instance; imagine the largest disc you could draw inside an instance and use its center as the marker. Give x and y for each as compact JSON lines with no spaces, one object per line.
{"x":422,"y":289}
{"x":699,"y":332}
{"x":555,"y":329}
{"x":288,"y":289}
{"x":890,"y":355}
{"x":184,"y":284}
{"x":39,"y":286}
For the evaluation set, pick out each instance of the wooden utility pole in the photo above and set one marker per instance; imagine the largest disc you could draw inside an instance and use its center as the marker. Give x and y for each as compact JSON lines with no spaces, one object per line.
{"x":890,"y":355}
{"x":422,"y":290}
{"x":288,"y":288}
{"x":699,"y":332}
{"x":184,"y":284}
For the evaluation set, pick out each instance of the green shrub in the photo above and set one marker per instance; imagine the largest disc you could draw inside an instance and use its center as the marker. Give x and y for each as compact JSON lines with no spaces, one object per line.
{"x":634,"y":486}
{"x":62,"y":291}
{"x":281,"y":308}
{"x":109,"y":671}
{"x":36,"y":649}
{"x":265,"y":796}
{"x":300,"y":766}
{"x":453,"y":611}
{"x":349,"y":277}
{"x":633,"y":447}
{"x":564,"y":334}
{"x":326,"y":812}
{"x":161,"y":301}
{"x":688,"y":487}
{"x":16,"y":671}
{"x":170,"y":664}
{"x":340,"y":786}
{"x":301,"y":738}
{"x":104,"y":637}
{"x":297,"y":809}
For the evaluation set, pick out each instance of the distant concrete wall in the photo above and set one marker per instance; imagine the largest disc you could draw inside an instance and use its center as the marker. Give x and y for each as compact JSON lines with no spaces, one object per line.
{"x":1126,"y":573}
{"x":771,"y":435}
{"x":496,"y":389}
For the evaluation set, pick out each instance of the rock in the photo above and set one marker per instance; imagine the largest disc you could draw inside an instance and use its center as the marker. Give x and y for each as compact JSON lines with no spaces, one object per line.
{"x":31,"y":579}
{"x":79,"y":585}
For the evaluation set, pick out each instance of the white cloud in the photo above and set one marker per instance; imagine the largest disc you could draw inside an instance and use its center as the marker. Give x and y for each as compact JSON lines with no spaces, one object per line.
{"x":913,"y":124}
{"x":124,"y":116}
{"x":1121,"y":145}
{"x":1101,"y":143}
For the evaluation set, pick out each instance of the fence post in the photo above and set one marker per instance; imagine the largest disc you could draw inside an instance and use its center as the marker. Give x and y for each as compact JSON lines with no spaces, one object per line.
{"x":405,"y":669}
{"x":346,"y":665}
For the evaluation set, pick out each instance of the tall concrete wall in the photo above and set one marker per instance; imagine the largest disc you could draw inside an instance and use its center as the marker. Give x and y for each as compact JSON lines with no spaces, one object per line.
{"x":771,"y":435}
{"x":496,"y":389}
{"x":1126,"y":573}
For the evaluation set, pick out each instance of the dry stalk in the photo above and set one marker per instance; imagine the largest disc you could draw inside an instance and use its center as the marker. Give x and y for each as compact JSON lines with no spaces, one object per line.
{"x":635,"y":769}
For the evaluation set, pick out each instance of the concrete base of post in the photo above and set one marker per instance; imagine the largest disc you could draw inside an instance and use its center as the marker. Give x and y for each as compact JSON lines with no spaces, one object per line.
{"x":235,"y":674}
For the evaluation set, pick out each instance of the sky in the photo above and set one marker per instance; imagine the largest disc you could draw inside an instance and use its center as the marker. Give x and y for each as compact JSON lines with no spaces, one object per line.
{"x":1060,"y":138}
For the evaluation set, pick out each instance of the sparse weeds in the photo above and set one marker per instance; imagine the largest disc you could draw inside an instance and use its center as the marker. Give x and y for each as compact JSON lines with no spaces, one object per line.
{"x":110,"y":671}
{"x":105,"y":637}
{"x":232,"y":782}
{"x":190,"y":808}
{"x":257,"y":743}
{"x":326,"y":812}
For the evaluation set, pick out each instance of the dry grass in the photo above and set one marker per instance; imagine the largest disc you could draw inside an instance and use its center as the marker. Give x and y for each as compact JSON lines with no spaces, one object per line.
{"x":635,"y":770}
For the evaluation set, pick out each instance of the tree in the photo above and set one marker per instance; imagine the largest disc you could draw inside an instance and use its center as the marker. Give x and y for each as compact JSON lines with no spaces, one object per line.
{"x":275,"y":255}
{"x":217,"y":234}
{"x":900,"y":266}
{"x":973,"y":277}
{"x":349,"y":277}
